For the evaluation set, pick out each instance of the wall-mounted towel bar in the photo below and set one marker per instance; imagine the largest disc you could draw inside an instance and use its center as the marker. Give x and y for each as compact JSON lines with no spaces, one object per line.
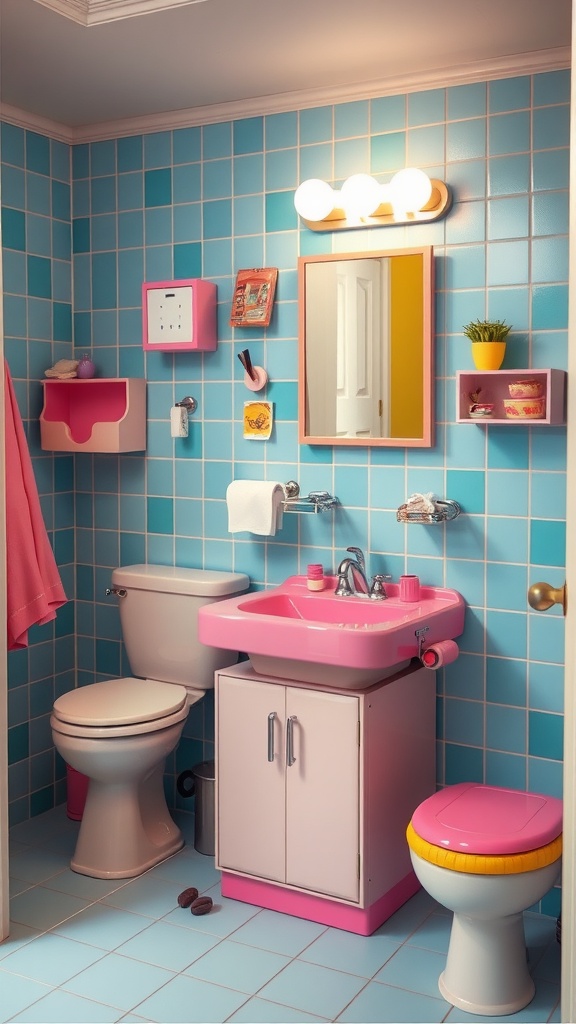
{"x":309,"y":504}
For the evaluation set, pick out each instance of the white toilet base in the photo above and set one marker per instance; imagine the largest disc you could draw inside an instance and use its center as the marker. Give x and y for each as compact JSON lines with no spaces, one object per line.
{"x":121,"y":836}
{"x":487,"y":949}
{"x":486,"y":970}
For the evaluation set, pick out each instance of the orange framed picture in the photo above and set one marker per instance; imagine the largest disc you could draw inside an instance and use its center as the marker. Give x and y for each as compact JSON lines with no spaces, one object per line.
{"x":253,"y":297}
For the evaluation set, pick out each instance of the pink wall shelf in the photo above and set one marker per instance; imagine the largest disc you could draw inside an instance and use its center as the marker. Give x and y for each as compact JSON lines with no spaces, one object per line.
{"x":494,"y":388}
{"x":97,"y":415}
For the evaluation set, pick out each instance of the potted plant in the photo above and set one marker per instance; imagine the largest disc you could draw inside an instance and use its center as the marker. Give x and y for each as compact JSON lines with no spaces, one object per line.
{"x":488,"y":339}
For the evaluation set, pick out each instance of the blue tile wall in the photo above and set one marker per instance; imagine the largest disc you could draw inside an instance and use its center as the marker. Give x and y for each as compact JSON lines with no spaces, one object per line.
{"x":36,"y":236}
{"x":206,"y":201}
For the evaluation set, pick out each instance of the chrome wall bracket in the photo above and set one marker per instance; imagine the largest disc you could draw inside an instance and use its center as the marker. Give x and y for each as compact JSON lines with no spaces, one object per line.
{"x":188,"y":403}
{"x":310,"y":504}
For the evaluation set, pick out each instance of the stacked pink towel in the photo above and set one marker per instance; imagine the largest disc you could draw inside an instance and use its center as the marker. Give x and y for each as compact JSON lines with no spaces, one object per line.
{"x":34,"y":588}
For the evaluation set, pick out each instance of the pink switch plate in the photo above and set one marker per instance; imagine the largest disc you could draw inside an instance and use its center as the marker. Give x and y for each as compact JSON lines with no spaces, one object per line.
{"x":179,"y":316}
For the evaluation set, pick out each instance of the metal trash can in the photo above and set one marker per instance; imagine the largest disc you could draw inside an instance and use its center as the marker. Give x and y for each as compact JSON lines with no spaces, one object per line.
{"x":204,"y":790}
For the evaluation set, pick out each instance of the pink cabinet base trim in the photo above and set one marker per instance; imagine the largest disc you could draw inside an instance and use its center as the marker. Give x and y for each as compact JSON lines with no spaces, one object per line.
{"x":360,"y":920}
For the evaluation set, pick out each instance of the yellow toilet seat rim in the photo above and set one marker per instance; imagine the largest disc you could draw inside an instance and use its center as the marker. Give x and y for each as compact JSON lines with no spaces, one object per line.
{"x":484,"y":864}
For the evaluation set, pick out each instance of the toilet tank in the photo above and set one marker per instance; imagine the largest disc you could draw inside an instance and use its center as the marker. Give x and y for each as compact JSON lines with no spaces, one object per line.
{"x":159,"y":619}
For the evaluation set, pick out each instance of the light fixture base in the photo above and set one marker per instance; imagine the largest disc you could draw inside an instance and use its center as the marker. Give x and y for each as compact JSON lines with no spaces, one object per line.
{"x":437,"y":207}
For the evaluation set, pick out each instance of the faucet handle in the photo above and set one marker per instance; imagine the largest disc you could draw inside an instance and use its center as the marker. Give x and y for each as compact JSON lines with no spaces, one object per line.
{"x":343,"y":588}
{"x":378,"y":590}
{"x":359,"y":556}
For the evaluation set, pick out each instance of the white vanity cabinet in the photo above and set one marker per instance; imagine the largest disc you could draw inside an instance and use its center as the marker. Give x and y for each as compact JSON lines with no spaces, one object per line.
{"x":289,"y":822}
{"x":315,"y":788}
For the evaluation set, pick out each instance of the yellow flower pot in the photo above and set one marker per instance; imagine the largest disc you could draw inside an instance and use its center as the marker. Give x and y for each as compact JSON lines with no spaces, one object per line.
{"x":488,"y":355}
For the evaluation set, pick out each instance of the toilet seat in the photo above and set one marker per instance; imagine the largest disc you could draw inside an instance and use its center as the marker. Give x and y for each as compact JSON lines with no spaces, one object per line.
{"x":120,"y":707}
{"x":119,"y":702}
{"x":482,"y":829}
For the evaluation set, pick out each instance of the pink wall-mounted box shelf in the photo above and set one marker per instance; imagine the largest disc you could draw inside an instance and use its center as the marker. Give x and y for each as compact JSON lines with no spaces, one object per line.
{"x":179,"y":316}
{"x":494,"y":389}
{"x":96,"y":415}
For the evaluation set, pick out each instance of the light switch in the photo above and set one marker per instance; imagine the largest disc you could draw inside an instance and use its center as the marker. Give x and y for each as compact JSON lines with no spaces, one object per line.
{"x":170,"y":314}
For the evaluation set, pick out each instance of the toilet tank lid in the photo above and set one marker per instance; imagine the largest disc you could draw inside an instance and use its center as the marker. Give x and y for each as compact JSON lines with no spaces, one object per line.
{"x":177,"y":580}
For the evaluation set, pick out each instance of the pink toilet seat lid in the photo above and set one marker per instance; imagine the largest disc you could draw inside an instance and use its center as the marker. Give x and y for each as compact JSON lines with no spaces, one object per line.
{"x":474,"y":818}
{"x":116,"y":702}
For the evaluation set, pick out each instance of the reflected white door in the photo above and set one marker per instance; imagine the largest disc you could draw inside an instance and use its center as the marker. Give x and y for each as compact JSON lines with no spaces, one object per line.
{"x":359,"y":399}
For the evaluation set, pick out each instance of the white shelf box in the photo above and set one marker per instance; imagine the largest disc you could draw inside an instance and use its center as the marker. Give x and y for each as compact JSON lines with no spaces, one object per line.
{"x":98,"y":415}
{"x":493,"y":385}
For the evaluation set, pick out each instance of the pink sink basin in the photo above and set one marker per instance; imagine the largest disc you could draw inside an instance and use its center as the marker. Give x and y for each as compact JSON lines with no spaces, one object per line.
{"x":292,"y":633}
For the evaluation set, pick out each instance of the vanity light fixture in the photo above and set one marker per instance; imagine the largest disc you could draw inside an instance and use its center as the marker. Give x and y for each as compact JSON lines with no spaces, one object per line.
{"x":411,"y":197}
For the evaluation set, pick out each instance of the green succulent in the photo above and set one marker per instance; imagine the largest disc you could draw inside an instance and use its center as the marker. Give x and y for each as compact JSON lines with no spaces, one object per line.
{"x":487,"y":330}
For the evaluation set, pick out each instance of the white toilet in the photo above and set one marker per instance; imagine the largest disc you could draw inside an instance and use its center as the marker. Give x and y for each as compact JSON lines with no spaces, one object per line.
{"x":119,"y":732}
{"x":487,"y":853}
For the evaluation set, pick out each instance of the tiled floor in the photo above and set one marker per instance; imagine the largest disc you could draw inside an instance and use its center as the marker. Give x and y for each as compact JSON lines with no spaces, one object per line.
{"x":84,"y":949}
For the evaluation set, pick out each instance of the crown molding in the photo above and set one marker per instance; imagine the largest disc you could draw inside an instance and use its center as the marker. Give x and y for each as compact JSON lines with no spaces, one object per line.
{"x":537,"y":62}
{"x":98,"y":12}
{"x":75,"y":10}
{"x":35,"y":123}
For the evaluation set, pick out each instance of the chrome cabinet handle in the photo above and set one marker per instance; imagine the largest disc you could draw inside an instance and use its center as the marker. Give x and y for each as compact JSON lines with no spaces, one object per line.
{"x":271,"y":719}
{"x":290,"y":759}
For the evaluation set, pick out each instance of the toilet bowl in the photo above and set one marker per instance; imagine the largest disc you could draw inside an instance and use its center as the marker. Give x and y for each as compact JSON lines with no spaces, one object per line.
{"x":119,"y":732}
{"x":488,"y":854}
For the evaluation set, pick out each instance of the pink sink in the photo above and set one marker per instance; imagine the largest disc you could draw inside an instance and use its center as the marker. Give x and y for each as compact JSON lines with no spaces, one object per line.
{"x":292,"y":633}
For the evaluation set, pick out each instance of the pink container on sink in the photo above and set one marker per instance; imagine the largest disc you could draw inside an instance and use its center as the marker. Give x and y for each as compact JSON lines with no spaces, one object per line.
{"x":409,"y":588}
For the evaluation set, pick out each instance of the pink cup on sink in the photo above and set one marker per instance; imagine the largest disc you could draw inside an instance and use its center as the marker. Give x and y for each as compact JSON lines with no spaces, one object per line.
{"x":409,"y":589}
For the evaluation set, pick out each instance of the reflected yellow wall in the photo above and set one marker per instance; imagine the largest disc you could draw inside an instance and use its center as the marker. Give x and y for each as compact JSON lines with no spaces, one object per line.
{"x":406,"y":336}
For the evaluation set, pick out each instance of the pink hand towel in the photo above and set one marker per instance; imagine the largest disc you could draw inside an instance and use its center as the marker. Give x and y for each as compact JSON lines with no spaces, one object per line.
{"x":34,"y":588}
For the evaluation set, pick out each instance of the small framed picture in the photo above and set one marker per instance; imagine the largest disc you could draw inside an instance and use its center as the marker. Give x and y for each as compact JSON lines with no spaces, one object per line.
{"x":253,"y":297}
{"x":258,"y":420}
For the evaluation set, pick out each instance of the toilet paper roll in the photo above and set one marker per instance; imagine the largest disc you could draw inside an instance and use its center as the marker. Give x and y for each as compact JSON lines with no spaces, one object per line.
{"x":440,"y":654}
{"x":178,"y":421}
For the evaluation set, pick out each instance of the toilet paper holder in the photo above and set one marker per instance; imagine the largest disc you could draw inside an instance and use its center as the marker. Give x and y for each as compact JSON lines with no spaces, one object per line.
{"x":180,"y":414}
{"x":188,"y":403}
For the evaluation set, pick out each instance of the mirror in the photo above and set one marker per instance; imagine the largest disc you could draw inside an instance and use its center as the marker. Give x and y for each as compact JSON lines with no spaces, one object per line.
{"x":365,"y":348}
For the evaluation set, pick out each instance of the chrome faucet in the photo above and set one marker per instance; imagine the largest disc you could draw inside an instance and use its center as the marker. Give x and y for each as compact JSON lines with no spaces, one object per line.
{"x":353,"y":581}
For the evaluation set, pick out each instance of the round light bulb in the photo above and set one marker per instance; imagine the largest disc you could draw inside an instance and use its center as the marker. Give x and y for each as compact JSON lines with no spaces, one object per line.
{"x":314,"y":199}
{"x":360,"y":195}
{"x":411,"y":189}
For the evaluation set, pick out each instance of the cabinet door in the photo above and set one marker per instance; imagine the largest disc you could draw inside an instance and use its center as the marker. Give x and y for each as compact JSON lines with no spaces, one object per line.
{"x":251,"y":801}
{"x":322,"y":793}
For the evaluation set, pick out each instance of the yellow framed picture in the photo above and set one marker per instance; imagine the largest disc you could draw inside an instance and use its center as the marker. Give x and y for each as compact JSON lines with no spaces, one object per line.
{"x":258,"y":419}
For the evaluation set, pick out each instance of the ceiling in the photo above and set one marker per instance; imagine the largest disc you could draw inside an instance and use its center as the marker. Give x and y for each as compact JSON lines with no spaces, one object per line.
{"x":216,"y":52}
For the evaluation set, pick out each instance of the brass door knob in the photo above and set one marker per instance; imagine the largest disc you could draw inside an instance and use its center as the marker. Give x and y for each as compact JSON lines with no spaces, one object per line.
{"x":542,"y":596}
